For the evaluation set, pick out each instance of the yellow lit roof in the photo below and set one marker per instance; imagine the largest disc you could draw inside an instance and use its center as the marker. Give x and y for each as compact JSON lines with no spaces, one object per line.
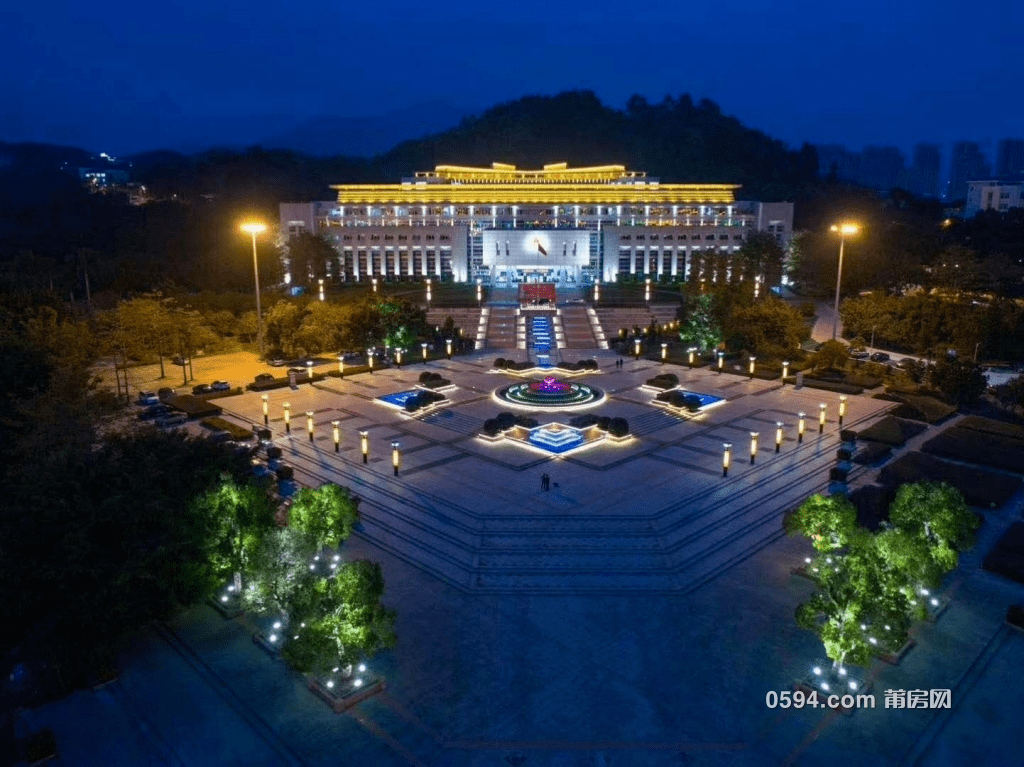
{"x":554,"y":184}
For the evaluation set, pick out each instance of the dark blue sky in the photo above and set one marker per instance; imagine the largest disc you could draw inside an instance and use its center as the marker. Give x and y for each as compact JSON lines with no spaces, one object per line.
{"x":120,"y":76}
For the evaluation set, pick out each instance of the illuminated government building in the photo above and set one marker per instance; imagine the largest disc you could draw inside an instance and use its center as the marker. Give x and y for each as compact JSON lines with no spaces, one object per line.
{"x":505,"y":226}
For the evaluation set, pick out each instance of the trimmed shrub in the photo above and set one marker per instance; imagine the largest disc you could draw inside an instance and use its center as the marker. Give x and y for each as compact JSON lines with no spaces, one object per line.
{"x":618,"y":427}
{"x":891,"y":431}
{"x":978,"y":447}
{"x":833,"y":386}
{"x":238,"y":433}
{"x":871,"y":453}
{"x":848,"y":435}
{"x":991,"y":426}
{"x":413,"y":404}
{"x":1007,"y":557}
{"x":979,"y":487}
{"x":526,"y":422}
{"x":491,"y":427}
{"x":583,"y":421}
{"x":843,"y":454}
{"x":506,"y":420}
{"x":691,"y":402}
{"x":603,"y":422}
{"x":837,"y":474}
{"x":500,"y":363}
{"x":918,"y":407}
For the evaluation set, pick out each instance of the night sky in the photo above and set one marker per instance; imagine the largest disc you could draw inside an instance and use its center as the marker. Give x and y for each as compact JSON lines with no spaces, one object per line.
{"x":121,"y":76}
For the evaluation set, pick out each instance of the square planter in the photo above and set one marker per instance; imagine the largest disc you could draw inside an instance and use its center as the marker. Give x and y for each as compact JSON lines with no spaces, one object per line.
{"x":893,"y":657}
{"x":343,"y":693}
{"x":827,"y":682}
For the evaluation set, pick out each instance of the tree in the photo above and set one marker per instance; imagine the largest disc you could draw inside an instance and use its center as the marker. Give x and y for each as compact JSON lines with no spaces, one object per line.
{"x":239,"y":516}
{"x":699,"y":327}
{"x":282,"y":327}
{"x":770,"y":327}
{"x":341,"y":619}
{"x":937,"y":513}
{"x":279,"y":571}
{"x":149,"y":325}
{"x":327,"y":514}
{"x":832,"y":354}
{"x":762,"y":257}
{"x":961,"y":382}
{"x":309,"y":255}
{"x":1011,"y":393}
{"x":829,"y":521}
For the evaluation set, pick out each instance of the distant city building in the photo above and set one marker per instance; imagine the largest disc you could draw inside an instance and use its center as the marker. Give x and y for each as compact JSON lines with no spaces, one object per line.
{"x":966,"y":163}
{"x":502,"y":225}
{"x":993,"y":195}
{"x":881,"y":167}
{"x":1010,"y":159}
{"x":837,"y":160}
{"x":925,"y":171}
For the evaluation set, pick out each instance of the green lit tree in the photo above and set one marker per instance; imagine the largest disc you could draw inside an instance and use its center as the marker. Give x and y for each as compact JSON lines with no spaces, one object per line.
{"x":279,"y":571}
{"x":831,"y":354}
{"x":700,"y":328}
{"x":239,"y":517}
{"x":327,"y":514}
{"x":828,"y":520}
{"x":960,"y":381}
{"x":341,"y":619}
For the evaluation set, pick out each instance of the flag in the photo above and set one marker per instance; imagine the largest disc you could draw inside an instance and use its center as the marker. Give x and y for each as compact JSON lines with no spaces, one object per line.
{"x":540,"y":248}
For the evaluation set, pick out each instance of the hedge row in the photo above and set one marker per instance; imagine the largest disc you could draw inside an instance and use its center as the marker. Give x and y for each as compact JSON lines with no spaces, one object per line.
{"x":891,"y":431}
{"x":849,"y":379}
{"x":618,"y":427}
{"x":985,"y":489}
{"x":221,"y":393}
{"x":1007,"y":557}
{"x":503,"y":364}
{"x":872,"y":453}
{"x":280,"y":383}
{"x":918,"y":407}
{"x":972,"y":446}
{"x":664,"y":381}
{"x":680,"y":399}
{"x":991,"y":426}
{"x":193,"y":406}
{"x":237,"y":432}
{"x":353,"y":370}
{"x":576,"y":366}
{"x":433,"y":380}
{"x":833,"y":386}
{"x":506,"y":420}
{"x":422,"y":399}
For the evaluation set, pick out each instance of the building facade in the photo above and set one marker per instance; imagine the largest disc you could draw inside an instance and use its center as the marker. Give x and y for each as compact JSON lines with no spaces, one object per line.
{"x":993,"y":195}
{"x":501,"y":225}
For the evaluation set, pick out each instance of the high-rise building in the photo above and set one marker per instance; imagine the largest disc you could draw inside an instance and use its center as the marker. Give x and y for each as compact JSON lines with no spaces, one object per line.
{"x":502,"y":225}
{"x":837,"y":159}
{"x":924,"y":173}
{"x":1010,"y":159}
{"x":966,"y":163}
{"x":993,"y":194}
{"x":881,"y":167}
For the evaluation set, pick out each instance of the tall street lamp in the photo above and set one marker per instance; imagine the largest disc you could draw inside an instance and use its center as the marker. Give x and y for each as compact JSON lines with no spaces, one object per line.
{"x":253,"y":228}
{"x":843,"y":230}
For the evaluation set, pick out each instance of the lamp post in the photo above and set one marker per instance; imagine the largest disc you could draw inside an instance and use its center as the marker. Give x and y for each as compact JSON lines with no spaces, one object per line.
{"x":309,"y":371}
{"x":398,"y":356}
{"x":843,"y":230}
{"x":253,"y":229}
{"x":321,"y":289}
{"x":647,"y":290}
{"x":842,"y":409}
{"x":752,"y":360}
{"x":336,"y":433}
{"x":597,"y":292}
{"x":479,"y":292}
{"x":691,"y":351}
{"x":341,"y":365}
{"x":369,"y":359}
{"x":423,"y":346}
{"x":395,"y":457}
{"x":636,"y":348}
{"x":374,"y":282}
{"x":800,"y":428}
{"x":664,"y":352}
{"x":364,"y":443}
{"x":753,"y":446}
{"x":821,"y":418}
{"x":726,"y":457}
{"x":266,"y":409}
{"x":448,"y":347}
{"x":309,"y":424}
{"x":287,"y":418}
{"x":785,"y":372}
{"x":721,"y":361}
{"x":778,"y":436}
{"x":428,"y":291}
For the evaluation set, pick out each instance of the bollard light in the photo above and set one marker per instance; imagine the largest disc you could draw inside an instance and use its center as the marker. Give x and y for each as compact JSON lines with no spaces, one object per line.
{"x":721,"y":361}
{"x":364,"y":443}
{"x":636,"y":347}
{"x":753,"y":446}
{"x":309,"y":371}
{"x":321,"y":289}
{"x":336,"y":433}
{"x":309,"y":424}
{"x":842,"y":409}
{"x":778,"y":436}
{"x":664,"y":352}
{"x":785,"y":372}
{"x":821,"y":418}
{"x":800,"y":428}
{"x":424,"y":347}
{"x":398,"y":356}
{"x":752,"y":360}
{"x":448,"y":347}
{"x":726,"y":456}
{"x":369,"y":359}
{"x":691,"y":351}
{"x":287,"y":418}
{"x":374,"y":281}
{"x":395,"y":457}
{"x":341,"y":366}
{"x":266,"y":409}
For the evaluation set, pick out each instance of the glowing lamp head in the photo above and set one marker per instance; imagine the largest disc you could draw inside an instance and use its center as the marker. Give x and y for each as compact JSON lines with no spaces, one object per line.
{"x":846,"y":229}
{"x":254,"y":228}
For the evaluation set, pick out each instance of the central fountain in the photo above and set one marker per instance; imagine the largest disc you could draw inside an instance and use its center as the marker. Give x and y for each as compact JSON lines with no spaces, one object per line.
{"x":549,"y":393}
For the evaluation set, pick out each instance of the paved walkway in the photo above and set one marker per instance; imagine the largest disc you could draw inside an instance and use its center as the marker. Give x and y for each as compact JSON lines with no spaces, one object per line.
{"x":636,"y":614}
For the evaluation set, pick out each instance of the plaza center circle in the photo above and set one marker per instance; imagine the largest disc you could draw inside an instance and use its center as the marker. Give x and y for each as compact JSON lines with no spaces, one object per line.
{"x":549,"y":393}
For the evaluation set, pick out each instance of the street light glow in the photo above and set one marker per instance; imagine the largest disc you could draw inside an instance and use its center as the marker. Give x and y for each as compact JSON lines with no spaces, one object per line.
{"x":253,"y":227}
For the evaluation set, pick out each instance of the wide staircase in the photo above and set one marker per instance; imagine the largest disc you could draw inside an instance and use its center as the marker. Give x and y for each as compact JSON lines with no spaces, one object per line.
{"x":501,"y":327}
{"x":542,"y":335}
{"x":579,"y":333}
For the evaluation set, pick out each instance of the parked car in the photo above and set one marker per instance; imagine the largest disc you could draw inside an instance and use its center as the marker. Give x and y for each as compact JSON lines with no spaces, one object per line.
{"x":202,"y":389}
{"x":264,"y":377}
{"x":178,"y":360}
{"x":298,"y":371}
{"x":860,"y":355}
{"x":154,"y":411}
{"x":879,"y":357}
{"x":148,"y":398}
{"x":220,"y":386}
{"x":172,"y":419}
{"x":277,"y":363}
{"x":164,"y":392}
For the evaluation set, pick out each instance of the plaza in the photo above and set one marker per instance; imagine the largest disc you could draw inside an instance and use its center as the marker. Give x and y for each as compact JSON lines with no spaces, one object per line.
{"x":637,"y":613}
